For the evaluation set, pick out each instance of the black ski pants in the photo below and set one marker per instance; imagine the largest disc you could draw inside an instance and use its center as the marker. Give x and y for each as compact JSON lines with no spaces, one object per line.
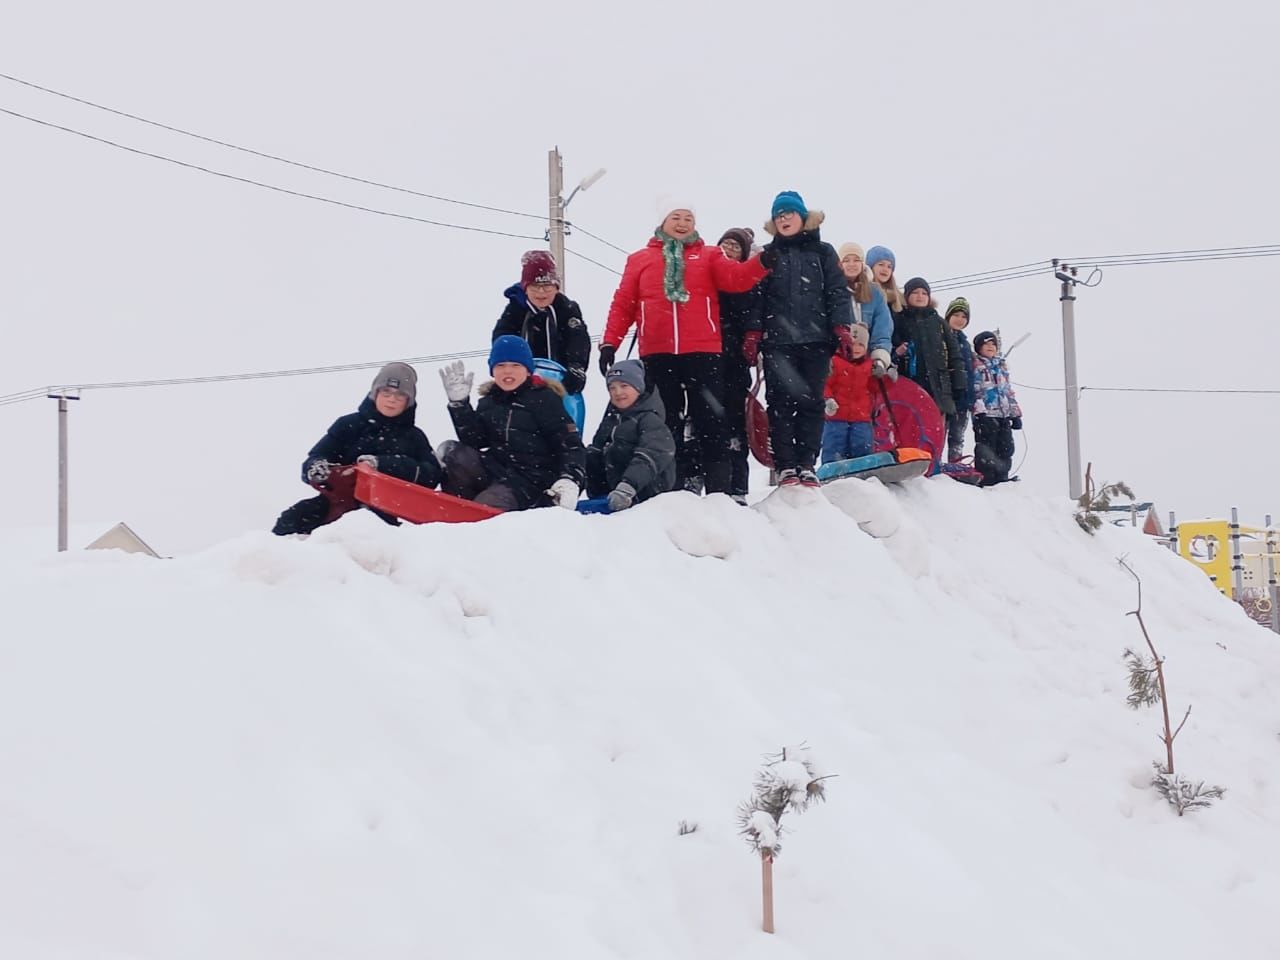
{"x":794,"y":378}
{"x":692,"y":386}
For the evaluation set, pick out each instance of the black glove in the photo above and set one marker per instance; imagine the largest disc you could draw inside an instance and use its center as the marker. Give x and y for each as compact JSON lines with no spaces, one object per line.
{"x":1017,"y":423}
{"x":769,"y":257}
{"x":607,"y":353}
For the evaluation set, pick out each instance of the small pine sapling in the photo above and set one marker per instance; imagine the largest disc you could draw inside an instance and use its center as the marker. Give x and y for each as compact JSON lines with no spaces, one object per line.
{"x":789,"y":782}
{"x":1095,"y":501}
{"x":1146,"y":689}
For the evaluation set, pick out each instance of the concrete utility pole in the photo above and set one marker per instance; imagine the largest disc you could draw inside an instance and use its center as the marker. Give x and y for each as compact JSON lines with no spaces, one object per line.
{"x":557,"y":228}
{"x":62,"y":399}
{"x":555,"y":209}
{"x":1068,"y":275}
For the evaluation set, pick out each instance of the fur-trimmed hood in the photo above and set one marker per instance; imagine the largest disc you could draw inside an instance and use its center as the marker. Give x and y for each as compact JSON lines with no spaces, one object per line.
{"x":811,"y":223}
{"x":533,"y":382}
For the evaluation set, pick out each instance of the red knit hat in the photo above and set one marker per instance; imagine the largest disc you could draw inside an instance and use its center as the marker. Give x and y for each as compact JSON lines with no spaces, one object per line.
{"x":538,"y":266}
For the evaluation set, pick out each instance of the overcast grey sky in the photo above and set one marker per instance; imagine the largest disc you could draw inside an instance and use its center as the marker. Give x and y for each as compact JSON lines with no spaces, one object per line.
{"x":966,"y":137}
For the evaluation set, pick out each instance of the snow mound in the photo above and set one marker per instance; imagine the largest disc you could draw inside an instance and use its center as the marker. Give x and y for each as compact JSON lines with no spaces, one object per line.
{"x":481,"y":740}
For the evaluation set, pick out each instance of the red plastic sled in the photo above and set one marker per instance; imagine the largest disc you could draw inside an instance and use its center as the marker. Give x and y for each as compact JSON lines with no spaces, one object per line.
{"x":913,"y":420}
{"x":415,"y":503}
{"x":758,"y":423}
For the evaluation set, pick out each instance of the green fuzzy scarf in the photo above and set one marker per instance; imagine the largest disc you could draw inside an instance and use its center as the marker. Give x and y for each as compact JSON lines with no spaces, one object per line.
{"x":673,"y":265}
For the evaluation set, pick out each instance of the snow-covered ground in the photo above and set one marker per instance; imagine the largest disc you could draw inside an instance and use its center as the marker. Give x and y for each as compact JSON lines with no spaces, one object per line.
{"x":479,"y":741}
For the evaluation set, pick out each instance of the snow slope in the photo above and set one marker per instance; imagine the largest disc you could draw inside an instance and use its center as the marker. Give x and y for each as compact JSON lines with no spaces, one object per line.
{"x":478,"y":741}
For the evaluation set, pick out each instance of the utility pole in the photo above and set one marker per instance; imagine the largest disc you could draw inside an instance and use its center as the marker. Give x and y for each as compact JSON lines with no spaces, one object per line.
{"x":1068,"y":275}
{"x":555,"y":209}
{"x":62,"y":399}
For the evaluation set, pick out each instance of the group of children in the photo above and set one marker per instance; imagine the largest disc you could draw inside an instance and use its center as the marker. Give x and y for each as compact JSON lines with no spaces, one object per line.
{"x":825,"y":326}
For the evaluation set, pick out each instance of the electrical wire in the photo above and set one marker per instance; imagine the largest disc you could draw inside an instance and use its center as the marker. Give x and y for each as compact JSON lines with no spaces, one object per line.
{"x":266,"y":186}
{"x":607,"y":243}
{"x":1179,"y":256}
{"x":267,"y":156}
{"x":1038,"y":265}
{"x":583,"y":256}
{"x":1188,"y":390}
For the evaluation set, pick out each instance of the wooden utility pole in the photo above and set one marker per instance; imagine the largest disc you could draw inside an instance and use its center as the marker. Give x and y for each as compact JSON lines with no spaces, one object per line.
{"x":1068,"y":275}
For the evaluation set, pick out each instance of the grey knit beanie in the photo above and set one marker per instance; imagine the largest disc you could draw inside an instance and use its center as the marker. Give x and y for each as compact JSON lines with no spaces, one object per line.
{"x":396,"y":376}
{"x":630,"y":372}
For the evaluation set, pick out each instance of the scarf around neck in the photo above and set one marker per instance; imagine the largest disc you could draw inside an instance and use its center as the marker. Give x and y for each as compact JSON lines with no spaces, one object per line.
{"x":673,"y":265}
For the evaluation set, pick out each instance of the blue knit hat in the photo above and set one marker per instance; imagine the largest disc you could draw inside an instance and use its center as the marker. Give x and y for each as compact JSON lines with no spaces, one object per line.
{"x":510,"y":349}
{"x":878,"y":253}
{"x":788,"y":200}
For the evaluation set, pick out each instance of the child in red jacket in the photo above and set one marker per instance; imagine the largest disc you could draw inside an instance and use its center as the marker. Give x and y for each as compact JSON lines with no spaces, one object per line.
{"x":847,"y":432}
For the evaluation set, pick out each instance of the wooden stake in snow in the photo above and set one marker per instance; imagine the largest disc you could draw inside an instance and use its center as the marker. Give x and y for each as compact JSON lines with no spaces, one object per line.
{"x":788,"y":781}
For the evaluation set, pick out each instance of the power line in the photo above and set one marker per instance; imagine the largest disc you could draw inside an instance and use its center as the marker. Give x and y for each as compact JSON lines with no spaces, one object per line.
{"x":296,"y":163}
{"x":593,"y":236}
{"x":1038,"y":265}
{"x":266,"y":186}
{"x":582,"y":256}
{"x":1179,"y":256}
{"x":267,"y":156}
{"x":1187,"y":390}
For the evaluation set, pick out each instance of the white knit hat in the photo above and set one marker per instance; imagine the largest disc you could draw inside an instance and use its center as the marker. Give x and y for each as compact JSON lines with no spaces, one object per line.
{"x":668,"y":203}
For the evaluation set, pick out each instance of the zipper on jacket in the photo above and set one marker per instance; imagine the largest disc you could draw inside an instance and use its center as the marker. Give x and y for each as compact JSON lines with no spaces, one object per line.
{"x":675,"y":326}
{"x":641,"y":320}
{"x":507,"y":433}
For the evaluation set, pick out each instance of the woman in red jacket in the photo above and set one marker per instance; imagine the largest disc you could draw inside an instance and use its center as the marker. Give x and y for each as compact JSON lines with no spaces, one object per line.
{"x":670,"y":292}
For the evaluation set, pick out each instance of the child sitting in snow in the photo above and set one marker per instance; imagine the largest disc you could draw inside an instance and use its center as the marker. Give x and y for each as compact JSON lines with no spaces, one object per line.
{"x":382,"y":434}
{"x":517,"y":448}
{"x":633,"y":455}
{"x":996,"y":413}
{"x":849,"y":394}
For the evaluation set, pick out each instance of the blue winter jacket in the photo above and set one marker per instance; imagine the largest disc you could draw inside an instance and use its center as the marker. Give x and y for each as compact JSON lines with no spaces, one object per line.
{"x":876,"y":318}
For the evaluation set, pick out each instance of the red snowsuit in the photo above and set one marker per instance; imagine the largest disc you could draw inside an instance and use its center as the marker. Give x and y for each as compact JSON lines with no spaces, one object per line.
{"x":666,"y":327}
{"x":853,"y":389}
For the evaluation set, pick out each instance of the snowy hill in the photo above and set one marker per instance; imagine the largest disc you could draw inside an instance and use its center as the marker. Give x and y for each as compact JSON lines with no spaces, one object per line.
{"x":478,"y":741}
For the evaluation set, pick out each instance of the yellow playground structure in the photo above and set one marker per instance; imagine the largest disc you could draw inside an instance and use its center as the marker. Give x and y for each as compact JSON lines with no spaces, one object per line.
{"x":1240,"y":560}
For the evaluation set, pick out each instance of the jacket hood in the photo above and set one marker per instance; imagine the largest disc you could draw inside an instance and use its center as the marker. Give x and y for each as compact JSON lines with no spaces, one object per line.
{"x":649,"y":401}
{"x":369,"y":411}
{"x":811,"y":224}
{"x":515,"y":293}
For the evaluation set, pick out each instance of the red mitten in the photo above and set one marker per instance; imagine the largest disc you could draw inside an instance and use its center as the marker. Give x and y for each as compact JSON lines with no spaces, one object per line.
{"x":845,"y":345}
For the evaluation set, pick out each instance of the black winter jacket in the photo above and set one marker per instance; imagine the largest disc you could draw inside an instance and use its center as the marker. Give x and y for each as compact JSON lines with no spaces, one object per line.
{"x":805,"y":296}
{"x":557,"y":333}
{"x":933,"y":359}
{"x":736,"y":311}
{"x":524,"y":436}
{"x":402,"y":449}
{"x":633,"y":445}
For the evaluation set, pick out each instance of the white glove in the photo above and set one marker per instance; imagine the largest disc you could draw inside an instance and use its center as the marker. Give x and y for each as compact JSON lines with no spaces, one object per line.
{"x":881,"y":362}
{"x":457,"y":382}
{"x":621,"y":497}
{"x":368,"y":458}
{"x":565,"y":493}
{"x":319,"y":471}
{"x":830,"y":407}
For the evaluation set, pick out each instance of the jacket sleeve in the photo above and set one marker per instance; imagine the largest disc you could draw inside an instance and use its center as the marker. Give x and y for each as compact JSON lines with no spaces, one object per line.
{"x":331,"y":447}
{"x":622,"y":311}
{"x":597,"y":482}
{"x":879,"y":323}
{"x":418,"y":466}
{"x":730,"y":276}
{"x":655,"y":451}
{"x":509,"y":323}
{"x":1015,"y":408}
{"x":979,"y":392}
{"x":835,"y":291}
{"x":555,"y":424}
{"x":955,"y":362}
{"x":468,"y":425}
{"x":575,"y":349}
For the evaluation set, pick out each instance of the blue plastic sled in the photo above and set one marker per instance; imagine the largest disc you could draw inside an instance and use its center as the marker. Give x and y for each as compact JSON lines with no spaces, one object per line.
{"x":573,"y":403}
{"x":598,"y":505}
{"x":888,"y":466}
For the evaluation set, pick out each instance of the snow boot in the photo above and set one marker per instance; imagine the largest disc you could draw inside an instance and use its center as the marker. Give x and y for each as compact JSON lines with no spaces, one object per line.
{"x":788,"y":477}
{"x":808,"y":478}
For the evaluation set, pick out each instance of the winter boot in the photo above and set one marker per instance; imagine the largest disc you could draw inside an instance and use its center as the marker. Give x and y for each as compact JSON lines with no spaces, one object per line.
{"x":808,"y":478}
{"x":719,"y":476}
{"x":788,"y":477}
